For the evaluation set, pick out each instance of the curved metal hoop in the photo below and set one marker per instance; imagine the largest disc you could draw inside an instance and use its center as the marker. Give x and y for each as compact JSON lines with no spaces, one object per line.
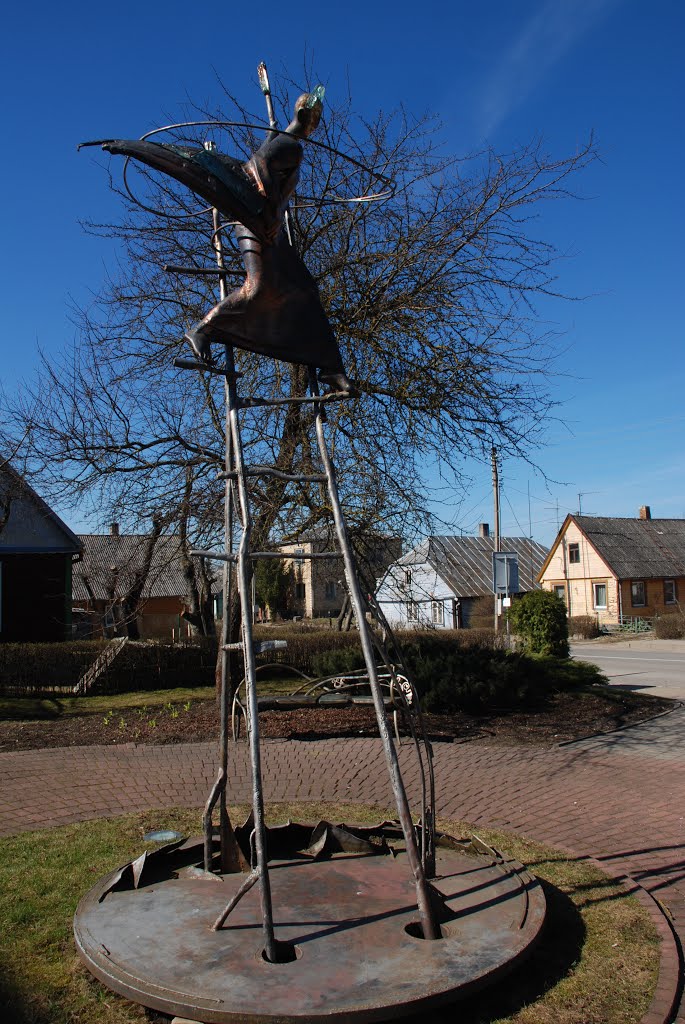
{"x":307,"y":202}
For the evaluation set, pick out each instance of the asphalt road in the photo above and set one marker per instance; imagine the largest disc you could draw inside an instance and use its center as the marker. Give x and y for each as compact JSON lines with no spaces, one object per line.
{"x":651,"y":666}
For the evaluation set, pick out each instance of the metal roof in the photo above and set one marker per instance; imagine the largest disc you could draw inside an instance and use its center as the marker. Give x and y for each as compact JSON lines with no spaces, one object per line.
{"x":114,"y":559}
{"x":637,"y":548}
{"x":465,"y":563}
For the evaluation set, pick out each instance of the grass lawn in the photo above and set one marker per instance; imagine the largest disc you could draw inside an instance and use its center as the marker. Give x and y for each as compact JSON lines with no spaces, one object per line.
{"x":597,"y":962}
{"x":27,"y":708}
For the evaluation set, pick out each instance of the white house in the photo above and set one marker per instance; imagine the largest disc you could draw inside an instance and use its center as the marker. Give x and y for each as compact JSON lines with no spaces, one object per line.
{"x":437,"y":583}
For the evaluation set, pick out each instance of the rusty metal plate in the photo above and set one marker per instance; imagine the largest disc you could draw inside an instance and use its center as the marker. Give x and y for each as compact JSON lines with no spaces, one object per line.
{"x":351,"y":918}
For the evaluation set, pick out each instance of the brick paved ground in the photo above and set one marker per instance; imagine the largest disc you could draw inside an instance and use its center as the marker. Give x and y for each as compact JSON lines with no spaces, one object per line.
{"x":618,"y":799}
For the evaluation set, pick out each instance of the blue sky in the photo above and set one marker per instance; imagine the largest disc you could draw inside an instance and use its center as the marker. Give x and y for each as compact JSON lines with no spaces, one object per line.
{"x":501,"y":72}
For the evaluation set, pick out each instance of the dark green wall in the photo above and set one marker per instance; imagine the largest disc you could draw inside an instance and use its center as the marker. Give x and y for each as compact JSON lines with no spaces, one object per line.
{"x":36,"y":597}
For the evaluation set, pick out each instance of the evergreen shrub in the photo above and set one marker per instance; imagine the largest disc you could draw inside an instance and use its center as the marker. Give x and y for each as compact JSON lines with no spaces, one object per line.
{"x":539,"y":621}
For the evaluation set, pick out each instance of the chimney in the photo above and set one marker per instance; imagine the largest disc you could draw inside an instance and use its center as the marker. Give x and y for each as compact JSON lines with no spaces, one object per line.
{"x":483,"y":530}
{"x":645,"y":512}
{"x":114,"y":529}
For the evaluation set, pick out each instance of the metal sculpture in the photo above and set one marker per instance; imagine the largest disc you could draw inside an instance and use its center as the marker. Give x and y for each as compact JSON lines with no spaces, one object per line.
{"x":172,"y":941}
{"x":277,"y":310}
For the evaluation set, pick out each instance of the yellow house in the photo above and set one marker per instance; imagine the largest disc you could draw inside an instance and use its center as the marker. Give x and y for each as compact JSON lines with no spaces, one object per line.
{"x":617,"y":569}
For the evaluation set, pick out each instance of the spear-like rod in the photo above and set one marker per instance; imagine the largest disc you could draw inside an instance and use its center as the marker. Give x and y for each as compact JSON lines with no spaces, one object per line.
{"x":264,"y":85}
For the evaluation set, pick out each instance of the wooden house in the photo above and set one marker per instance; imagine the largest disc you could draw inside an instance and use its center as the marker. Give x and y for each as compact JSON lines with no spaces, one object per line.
{"x":617,"y":568}
{"x":111,"y":570}
{"x":438,"y":583}
{"x":37,"y":551}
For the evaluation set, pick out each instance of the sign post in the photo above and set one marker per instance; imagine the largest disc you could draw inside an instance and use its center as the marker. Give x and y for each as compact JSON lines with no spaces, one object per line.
{"x":505,"y":578}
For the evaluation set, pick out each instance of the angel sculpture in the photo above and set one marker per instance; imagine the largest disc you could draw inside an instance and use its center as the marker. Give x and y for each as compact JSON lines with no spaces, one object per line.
{"x":277,"y":310}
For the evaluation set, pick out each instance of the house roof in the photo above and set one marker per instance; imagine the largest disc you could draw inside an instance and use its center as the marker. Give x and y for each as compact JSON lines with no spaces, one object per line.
{"x":32,"y":525}
{"x":103,"y":552}
{"x":637,"y":548}
{"x":465,"y":563}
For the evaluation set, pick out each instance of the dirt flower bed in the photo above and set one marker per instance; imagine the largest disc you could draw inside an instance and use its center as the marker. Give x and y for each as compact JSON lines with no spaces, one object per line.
{"x":566,"y":716}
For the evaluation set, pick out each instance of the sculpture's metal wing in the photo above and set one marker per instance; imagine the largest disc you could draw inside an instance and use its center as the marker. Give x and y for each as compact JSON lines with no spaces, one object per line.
{"x":220,"y":180}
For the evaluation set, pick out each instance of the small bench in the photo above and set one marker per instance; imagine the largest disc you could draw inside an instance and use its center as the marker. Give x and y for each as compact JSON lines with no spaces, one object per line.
{"x":339,"y":690}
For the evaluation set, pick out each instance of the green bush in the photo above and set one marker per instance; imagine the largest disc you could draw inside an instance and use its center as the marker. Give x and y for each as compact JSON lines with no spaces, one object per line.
{"x":584,"y":626}
{"x":457,"y":670}
{"x":343,"y":659}
{"x":670,"y":627}
{"x":476,"y":682}
{"x":539,"y":620}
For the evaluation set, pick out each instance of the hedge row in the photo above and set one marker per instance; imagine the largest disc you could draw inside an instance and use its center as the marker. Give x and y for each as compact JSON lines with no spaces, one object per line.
{"x":465,"y":670}
{"x":35,"y":668}
{"x":148,"y":665}
{"x":311,"y":650}
{"x":151,"y":665}
{"x":31,"y":669}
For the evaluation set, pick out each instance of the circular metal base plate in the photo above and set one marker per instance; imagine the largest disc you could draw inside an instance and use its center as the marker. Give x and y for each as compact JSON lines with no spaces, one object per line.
{"x":353,"y":922}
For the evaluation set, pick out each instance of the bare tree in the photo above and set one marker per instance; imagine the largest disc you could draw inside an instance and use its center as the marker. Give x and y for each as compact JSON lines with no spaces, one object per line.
{"x":199,"y":612}
{"x":431,"y":295}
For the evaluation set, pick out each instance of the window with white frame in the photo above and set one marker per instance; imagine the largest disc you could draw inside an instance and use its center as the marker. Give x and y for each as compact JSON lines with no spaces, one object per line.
{"x":299,"y":552}
{"x":670,"y":592}
{"x":412,"y":611}
{"x":638,"y":597}
{"x":560,"y":590}
{"x":574,"y":554}
{"x":407,"y":577}
{"x":438,"y":613}
{"x":599,"y":595}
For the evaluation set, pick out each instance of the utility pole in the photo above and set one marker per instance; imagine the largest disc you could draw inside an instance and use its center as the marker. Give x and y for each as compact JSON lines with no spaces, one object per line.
{"x":495,"y":487}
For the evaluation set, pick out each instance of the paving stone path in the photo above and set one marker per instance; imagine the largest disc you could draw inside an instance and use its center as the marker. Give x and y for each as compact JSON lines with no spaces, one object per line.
{"x":620,"y":799}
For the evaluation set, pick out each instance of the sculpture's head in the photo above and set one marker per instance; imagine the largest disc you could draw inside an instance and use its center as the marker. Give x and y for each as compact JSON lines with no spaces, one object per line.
{"x":308,"y":110}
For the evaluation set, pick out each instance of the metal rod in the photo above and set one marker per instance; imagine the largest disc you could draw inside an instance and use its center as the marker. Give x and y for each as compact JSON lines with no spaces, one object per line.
{"x":427,"y":812}
{"x":264,"y":85}
{"x":266,"y":89}
{"x":182,"y":363}
{"x":235,"y":900}
{"x":218,"y":793}
{"x":244,"y":589}
{"x":428,"y":923}
{"x":225,"y":830}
